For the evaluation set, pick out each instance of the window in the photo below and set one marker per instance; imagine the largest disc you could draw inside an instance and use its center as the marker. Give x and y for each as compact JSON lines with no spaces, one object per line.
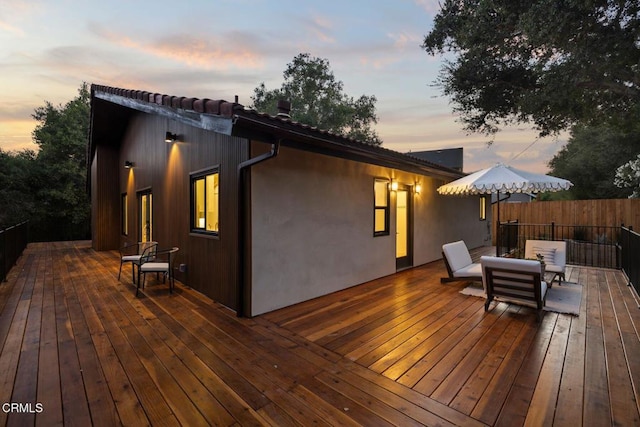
{"x":381,"y":207}
{"x":124,"y":214}
{"x":483,"y":208}
{"x":205,"y":190}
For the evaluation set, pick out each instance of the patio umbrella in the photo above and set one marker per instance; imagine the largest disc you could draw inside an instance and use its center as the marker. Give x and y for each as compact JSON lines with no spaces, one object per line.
{"x":505,"y":179}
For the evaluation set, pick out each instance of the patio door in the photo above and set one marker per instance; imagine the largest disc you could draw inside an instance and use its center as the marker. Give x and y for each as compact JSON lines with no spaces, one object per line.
{"x":404,"y":228}
{"x":145,"y":213}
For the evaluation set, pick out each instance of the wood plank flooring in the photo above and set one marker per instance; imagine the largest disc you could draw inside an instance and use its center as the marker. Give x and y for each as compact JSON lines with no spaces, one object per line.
{"x":78,"y":348}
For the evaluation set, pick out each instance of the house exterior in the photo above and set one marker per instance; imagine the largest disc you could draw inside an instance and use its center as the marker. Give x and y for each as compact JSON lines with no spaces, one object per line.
{"x":266,"y":212}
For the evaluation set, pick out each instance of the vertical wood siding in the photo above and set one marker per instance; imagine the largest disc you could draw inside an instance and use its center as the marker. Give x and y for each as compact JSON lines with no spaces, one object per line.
{"x":105,"y":201}
{"x":165,"y":169}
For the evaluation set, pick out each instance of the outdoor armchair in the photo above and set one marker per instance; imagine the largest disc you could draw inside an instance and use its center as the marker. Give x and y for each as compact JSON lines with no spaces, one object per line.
{"x":157,"y":261}
{"x":132,"y":252}
{"x":554,"y":253}
{"x":516,"y":280}
{"x":458,"y":262}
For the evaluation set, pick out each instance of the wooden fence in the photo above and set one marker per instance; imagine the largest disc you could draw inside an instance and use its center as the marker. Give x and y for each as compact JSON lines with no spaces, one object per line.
{"x":605,"y":212}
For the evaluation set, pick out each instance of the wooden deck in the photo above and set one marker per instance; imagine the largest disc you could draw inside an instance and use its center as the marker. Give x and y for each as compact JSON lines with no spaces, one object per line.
{"x":78,"y":348}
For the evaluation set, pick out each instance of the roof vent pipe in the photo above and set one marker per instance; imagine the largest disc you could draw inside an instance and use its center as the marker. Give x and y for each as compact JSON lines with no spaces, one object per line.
{"x":284,"y":108}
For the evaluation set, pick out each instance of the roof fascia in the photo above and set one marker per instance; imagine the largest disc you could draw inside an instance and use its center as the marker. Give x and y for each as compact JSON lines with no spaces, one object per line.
{"x":205,"y":121}
{"x":321,"y":145}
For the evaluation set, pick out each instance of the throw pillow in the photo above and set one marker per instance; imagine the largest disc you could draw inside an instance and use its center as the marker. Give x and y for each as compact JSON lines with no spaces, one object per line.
{"x":549,"y":254}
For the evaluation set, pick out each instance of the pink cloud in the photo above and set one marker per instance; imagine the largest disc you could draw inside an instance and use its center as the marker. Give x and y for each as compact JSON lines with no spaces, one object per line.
{"x":228,"y":51}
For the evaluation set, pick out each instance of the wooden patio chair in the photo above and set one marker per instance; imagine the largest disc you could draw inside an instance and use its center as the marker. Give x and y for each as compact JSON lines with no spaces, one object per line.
{"x":127,"y":254}
{"x":157,"y":261}
{"x":516,"y":280}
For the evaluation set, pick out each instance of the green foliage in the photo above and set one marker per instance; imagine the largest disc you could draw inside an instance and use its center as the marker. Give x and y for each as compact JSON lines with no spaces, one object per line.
{"x":590,"y":159}
{"x":48,"y":188}
{"x":551,"y":63}
{"x":628,"y":176}
{"x":16,"y":195}
{"x":317,"y":99}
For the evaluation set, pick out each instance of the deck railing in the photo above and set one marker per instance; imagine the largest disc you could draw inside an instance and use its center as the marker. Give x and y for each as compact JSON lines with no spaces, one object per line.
{"x":13,"y":240}
{"x":630,"y":244}
{"x":593,"y":245}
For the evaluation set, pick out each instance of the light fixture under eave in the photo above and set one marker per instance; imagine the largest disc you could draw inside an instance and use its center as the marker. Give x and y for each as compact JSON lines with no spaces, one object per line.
{"x":417,"y":188}
{"x":128,"y":164}
{"x":170,"y":137}
{"x":394,"y":185}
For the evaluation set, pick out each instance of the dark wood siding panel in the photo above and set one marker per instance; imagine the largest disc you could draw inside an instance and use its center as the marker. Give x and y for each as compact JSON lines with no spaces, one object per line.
{"x":165,"y":168}
{"x":105,"y":199}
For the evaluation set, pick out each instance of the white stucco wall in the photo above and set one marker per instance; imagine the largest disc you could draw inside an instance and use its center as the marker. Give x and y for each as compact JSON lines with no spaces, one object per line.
{"x":312,"y":226}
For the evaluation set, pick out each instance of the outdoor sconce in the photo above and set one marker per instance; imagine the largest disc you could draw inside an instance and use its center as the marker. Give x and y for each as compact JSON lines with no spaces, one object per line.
{"x":417,"y":188}
{"x":170,"y":137}
{"x":128,"y":164}
{"x":394,"y":185}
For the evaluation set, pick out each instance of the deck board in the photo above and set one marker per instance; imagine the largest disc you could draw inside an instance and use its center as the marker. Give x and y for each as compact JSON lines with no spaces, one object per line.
{"x":401,"y":350}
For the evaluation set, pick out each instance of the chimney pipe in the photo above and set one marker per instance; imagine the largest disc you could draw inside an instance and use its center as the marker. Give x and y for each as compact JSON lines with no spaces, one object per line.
{"x":284,"y":108}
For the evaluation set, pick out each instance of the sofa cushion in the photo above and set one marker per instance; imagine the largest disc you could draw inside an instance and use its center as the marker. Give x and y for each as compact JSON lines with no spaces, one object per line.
{"x":471,"y":270}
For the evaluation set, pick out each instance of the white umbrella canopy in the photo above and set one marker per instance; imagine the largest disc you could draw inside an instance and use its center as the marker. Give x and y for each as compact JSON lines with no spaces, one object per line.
{"x":503,"y":179}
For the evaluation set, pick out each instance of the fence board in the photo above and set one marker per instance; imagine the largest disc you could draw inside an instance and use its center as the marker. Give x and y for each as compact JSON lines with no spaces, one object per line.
{"x":608,"y":212}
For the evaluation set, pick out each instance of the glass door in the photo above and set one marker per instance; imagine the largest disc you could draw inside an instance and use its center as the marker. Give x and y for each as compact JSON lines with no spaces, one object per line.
{"x":404,"y":255}
{"x":146,"y":216}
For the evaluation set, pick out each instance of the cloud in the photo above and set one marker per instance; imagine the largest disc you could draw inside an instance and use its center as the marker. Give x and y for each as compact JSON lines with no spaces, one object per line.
{"x":227,"y":50}
{"x":430,"y":6}
{"x":320,"y":27}
{"x":13,"y":13}
{"x":402,"y":39}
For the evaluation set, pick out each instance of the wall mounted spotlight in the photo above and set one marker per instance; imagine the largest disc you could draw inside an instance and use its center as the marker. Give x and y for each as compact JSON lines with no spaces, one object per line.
{"x":128,"y":164}
{"x":394,"y":185}
{"x":170,"y":137}
{"x":417,"y":188}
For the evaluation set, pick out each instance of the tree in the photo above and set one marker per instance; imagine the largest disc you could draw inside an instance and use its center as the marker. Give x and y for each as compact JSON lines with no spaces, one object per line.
{"x":317,"y":99}
{"x":590,"y":158}
{"x":16,"y":187}
{"x":62,"y":211}
{"x":628,"y":176}
{"x":547,"y":62}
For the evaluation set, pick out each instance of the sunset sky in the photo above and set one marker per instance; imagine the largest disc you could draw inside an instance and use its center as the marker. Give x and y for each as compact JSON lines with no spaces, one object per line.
{"x":221,"y":48}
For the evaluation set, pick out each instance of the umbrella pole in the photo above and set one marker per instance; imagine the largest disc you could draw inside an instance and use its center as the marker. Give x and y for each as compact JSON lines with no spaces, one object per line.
{"x":498,"y":226}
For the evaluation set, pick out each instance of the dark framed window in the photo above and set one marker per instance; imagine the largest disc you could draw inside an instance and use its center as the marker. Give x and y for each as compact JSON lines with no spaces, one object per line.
{"x":124,"y":214}
{"x":205,"y":201}
{"x":381,"y":207}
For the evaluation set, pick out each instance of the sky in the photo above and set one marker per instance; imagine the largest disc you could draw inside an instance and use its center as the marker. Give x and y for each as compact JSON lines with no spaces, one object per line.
{"x":220,"y":49}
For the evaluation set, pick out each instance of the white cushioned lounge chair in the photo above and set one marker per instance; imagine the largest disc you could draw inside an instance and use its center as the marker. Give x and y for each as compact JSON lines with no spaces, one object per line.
{"x":554,"y":253}
{"x":458,"y":262}
{"x":516,"y":280}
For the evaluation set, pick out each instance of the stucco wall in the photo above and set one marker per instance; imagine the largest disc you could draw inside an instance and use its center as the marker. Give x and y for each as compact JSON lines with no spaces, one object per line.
{"x":312,"y":226}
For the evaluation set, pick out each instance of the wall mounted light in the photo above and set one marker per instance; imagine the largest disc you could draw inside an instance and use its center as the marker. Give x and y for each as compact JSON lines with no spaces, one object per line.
{"x":417,"y":188}
{"x":394,"y":185}
{"x":170,"y":137}
{"x":128,"y":164}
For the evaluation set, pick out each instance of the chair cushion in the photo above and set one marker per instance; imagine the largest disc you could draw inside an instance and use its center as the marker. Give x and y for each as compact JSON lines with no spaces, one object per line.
{"x":457,"y":255}
{"x":128,"y":258}
{"x":148,"y":267}
{"x":471,"y":270}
